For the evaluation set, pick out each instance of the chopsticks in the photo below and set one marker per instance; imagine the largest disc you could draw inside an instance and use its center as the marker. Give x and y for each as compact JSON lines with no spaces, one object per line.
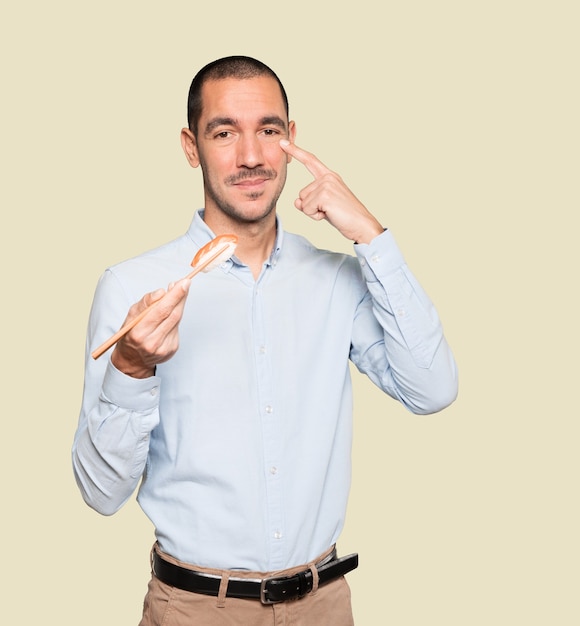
{"x":212,"y":253}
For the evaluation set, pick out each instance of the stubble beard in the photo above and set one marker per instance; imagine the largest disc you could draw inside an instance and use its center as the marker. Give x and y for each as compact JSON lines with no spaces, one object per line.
{"x":236,"y":214}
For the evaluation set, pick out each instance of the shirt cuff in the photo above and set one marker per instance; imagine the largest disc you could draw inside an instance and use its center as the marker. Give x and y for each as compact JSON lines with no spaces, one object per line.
{"x":379,"y":258}
{"x":136,"y":394}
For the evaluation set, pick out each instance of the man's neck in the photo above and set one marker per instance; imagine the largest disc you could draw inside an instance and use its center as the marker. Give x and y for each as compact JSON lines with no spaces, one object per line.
{"x":255,"y":239}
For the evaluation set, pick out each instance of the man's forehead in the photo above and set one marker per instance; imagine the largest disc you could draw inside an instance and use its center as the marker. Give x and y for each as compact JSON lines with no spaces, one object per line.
{"x":224,"y":90}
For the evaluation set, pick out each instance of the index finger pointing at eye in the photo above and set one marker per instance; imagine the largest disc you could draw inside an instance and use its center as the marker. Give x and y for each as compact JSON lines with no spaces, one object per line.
{"x":310,"y":162}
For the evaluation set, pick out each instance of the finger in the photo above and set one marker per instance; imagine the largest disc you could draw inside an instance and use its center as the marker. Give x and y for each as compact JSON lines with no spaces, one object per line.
{"x":152,"y":297}
{"x":182,"y":286}
{"x":174,"y":297}
{"x":165,"y":302}
{"x":310,"y":162}
{"x":313,"y":215}
{"x":160,"y":319}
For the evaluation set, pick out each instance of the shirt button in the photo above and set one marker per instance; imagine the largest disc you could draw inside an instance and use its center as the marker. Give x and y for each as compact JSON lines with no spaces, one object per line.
{"x":154,"y":391}
{"x":277,"y":535}
{"x":262,"y":349}
{"x":269,"y":409}
{"x":273,"y":470}
{"x":401,"y":312}
{"x":375,"y":258}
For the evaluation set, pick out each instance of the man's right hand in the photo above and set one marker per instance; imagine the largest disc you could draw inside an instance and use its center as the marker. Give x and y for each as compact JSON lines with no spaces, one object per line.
{"x":155,"y":338}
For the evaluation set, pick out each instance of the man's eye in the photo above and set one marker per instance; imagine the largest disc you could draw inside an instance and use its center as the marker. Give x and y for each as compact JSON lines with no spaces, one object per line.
{"x":270,"y":132}
{"x":224,"y":134}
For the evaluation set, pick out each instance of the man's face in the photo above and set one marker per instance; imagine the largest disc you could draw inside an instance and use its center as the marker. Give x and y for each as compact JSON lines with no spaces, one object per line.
{"x":237,"y":145}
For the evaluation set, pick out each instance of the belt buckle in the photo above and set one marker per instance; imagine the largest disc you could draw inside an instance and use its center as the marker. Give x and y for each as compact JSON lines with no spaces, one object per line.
{"x":300,"y":593}
{"x":264,"y":592}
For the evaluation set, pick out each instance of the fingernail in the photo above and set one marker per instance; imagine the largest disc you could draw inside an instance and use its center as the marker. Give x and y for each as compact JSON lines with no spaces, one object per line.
{"x":284,"y":142}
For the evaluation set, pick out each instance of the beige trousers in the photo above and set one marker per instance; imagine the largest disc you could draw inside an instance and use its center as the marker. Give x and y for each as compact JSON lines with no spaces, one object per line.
{"x":329,"y":605}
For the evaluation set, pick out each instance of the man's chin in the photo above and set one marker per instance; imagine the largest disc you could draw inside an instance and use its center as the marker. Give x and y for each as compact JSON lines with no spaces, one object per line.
{"x":249,"y":212}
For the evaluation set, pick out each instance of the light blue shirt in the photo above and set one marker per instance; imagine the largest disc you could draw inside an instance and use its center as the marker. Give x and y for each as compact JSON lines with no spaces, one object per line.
{"x":243,"y":439}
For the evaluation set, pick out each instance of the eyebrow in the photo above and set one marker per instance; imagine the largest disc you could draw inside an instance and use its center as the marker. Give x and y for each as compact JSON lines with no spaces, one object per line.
{"x":269,"y":120}
{"x":273,"y":120}
{"x":219,"y":121}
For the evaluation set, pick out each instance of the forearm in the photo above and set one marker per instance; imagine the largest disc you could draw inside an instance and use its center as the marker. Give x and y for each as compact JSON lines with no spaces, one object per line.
{"x":112,"y":440}
{"x":421,"y":389}
{"x":117,"y":414}
{"x":412,"y":361}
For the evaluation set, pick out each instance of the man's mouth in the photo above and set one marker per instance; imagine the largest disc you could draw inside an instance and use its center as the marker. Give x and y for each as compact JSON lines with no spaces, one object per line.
{"x":251,"y":178}
{"x":251,"y":182}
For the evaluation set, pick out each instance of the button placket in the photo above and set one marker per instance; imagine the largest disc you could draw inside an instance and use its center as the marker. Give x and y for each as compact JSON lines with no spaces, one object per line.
{"x":271,"y":433}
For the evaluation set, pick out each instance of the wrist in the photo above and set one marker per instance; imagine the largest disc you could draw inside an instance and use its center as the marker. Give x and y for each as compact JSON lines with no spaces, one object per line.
{"x":131,"y":368}
{"x":374,"y":229}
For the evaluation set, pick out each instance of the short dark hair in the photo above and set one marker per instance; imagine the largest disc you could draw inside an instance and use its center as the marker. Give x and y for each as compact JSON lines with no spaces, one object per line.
{"x":240,"y":67}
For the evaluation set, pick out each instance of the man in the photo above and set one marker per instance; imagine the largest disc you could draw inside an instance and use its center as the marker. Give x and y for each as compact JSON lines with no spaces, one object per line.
{"x":231,"y":399}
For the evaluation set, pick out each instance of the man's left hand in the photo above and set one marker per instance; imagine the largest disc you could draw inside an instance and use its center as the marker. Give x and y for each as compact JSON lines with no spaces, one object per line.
{"x":327,"y":197}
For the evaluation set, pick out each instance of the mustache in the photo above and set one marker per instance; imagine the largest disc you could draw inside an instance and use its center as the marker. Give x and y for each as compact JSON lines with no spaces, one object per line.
{"x":245,"y":174}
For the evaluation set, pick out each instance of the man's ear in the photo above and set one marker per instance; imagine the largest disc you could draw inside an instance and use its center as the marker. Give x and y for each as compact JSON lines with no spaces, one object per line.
{"x":189,"y":145}
{"x":291,"y":136}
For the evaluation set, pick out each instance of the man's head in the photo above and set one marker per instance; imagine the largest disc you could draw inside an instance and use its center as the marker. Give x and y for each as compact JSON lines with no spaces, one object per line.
{"x":240,"y":67}
{"x":238,"y":112}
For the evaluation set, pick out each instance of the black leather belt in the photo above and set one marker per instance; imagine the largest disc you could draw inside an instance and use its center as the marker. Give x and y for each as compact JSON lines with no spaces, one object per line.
{"x":267,"y":590}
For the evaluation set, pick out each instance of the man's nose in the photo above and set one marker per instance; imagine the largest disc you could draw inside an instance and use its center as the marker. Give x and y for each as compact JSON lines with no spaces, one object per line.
{"x":250,"y":152}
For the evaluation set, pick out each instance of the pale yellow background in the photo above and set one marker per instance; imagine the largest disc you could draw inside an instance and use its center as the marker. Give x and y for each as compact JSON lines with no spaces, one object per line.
{"x":457,"y":124}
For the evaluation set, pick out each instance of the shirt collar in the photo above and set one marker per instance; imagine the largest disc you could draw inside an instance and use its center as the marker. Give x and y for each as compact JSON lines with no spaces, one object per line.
{"x":200,"y":233}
